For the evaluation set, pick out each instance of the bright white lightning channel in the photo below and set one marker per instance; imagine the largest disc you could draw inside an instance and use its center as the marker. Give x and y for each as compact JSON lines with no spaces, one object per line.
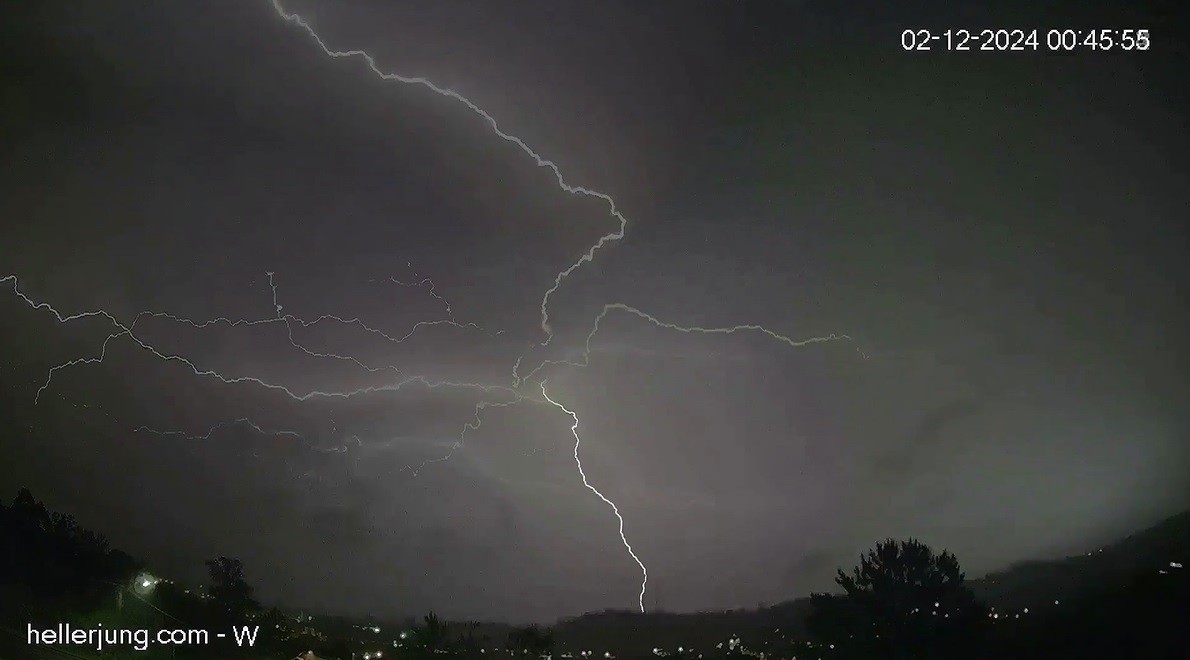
{"x":588,"y":256}
{"x":121,"y":329}
{"x":644,"y":582}
{"x":128,"y":330}
{"x":517,"y":379}
{"x":491,"y":121}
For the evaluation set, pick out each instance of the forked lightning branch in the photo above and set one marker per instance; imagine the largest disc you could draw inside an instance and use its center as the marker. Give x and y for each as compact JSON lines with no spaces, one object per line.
{"x":520,"y":389}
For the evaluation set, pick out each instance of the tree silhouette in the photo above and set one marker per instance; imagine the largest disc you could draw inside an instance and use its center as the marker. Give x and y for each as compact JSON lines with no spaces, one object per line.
{"x":431,"y":635}
{"x":51,"y":557}
{"x":229,"y":591}
{"x":902,"y":601}
{"x":531,"y":639}
{"x":471,"y":643}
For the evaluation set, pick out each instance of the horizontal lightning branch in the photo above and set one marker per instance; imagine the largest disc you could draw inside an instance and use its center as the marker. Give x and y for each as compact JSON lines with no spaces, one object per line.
{"x":244,"y":421}
{"x":288,"y":320}
{"x":726,"y":330}
{"x":128,"y":331}
{"x":495,"y":396}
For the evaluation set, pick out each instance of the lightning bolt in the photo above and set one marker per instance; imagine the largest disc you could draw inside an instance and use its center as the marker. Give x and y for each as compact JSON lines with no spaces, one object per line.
{"x":491,"y":121}
{"x":433,"y":293}
{"x":693,"y":329}
{"x":292,"y":322}
{"x":607,"y":309}
{"x":288,"y":320}
{"x":469,"y":426}
{"x":615,"y":509}
{"x":128,"y":331}
{"x":244,"y":421}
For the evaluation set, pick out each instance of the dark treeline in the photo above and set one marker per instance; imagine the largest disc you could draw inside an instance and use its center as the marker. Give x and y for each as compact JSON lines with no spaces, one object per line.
{"x":54,"y":571}
{"x":903,"y":601}
{"x":48,"y":558}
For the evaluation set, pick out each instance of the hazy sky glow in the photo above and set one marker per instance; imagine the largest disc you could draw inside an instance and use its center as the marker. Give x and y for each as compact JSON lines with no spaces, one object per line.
{"x":948,"y":291}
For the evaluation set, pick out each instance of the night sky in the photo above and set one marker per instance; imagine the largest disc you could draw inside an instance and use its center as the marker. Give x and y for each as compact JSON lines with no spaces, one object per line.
{"x":996,"y":241}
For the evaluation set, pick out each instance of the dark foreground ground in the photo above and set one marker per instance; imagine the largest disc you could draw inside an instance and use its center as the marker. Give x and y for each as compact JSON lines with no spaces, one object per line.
{"x":1129,"y":599}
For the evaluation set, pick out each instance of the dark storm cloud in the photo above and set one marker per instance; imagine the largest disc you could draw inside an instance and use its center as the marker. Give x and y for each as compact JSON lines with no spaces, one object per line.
{"x":900,"y":460}
{"x":1002,"y":237}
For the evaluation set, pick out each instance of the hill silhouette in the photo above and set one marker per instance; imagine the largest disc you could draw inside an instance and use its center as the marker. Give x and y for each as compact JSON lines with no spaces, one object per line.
{"x":1126,"y":599}
{"x":1135,"y":567}
{"x":1033,"y":583}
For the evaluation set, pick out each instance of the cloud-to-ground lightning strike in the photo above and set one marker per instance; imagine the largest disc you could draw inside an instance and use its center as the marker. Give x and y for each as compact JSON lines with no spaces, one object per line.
{"x":615,"y":509}
{"x":515,"y":391}
{"x":574,"y":190}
